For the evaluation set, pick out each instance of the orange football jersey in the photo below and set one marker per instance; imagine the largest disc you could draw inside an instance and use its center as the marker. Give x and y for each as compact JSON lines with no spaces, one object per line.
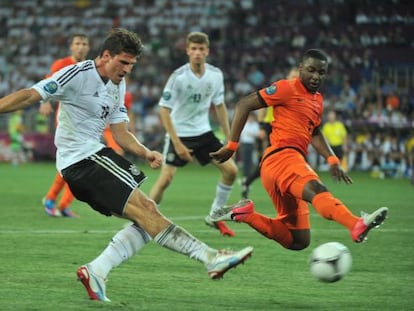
{"x":296,"y":112}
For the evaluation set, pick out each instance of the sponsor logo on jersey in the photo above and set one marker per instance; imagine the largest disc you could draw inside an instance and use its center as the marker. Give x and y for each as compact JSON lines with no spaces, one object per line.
{"x":51,"y":87}
{"x":270,"y":90}
{"x":166,"y":95}
{"x":123,"y":109}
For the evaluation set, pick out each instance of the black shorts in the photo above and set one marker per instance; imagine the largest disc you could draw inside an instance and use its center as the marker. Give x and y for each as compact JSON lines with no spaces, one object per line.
{"x":201,"y":145}
{"x":104,"y":180}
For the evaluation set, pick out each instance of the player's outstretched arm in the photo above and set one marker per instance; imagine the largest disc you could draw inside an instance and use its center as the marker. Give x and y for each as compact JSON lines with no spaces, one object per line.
{"x":243,"y":108}
{"x":19,"y":100}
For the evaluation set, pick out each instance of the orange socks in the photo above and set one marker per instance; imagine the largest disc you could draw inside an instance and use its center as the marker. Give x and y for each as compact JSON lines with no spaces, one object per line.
{"x":67,"y":198}
{"x":331,"y":208}
{"x":271,"y":228}
{"x":56,"y":187}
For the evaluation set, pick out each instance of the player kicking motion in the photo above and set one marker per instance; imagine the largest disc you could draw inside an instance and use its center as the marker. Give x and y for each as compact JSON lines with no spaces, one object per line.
{"x":91,"y":93}
{"x":184,"y":109}
{"x":290,"y":182}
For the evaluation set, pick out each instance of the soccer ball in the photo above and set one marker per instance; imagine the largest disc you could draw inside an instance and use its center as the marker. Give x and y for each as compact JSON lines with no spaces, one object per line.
{"x":330,"y":262}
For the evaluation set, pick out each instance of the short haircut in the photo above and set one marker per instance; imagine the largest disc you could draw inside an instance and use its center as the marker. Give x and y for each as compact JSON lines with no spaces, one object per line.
{"x":315,"y":53}
{"x":198,"y":37}
{"x":122,"y":40}
{"x":78,"y":35}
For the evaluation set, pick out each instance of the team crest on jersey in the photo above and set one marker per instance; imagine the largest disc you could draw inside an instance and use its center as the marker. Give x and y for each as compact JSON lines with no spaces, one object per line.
{"x":134,"y":170}
{"x":51,"y":87}
{"x":270,"y":89}
{"x":166,"y":95}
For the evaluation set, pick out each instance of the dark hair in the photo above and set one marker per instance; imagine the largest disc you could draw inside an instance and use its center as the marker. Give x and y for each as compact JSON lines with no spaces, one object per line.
{"x":122,"y":40}
{"x":78,"y":35}
{"x":315,"y":53}
{"x":198,"y":37}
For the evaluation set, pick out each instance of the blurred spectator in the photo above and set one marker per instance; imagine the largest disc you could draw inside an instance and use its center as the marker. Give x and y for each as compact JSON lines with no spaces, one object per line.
{"x":21,"y":150}
{"x":247,"y":141}
{"x":336,"y":134}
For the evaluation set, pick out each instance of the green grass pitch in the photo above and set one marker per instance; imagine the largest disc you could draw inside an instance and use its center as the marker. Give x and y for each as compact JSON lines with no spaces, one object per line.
{"x":39,"y":254}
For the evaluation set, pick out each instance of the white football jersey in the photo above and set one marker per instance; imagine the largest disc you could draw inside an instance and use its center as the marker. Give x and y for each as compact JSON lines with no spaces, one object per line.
{"x":87,"y":104}
{"x":190,"y":97}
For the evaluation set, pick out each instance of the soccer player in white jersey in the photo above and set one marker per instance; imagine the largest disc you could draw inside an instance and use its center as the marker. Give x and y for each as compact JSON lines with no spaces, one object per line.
{"x":91,"y":94}
{"x":184,"y":109}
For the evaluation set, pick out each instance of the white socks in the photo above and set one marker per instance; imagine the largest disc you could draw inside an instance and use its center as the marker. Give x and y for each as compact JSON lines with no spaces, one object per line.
{"x":179,"y":240}
{"x":222,"y":196}
{"x":125,"y":244}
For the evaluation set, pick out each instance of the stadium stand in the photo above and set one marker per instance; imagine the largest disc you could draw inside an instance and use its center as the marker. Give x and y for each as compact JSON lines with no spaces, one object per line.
{"x":370,"y":43}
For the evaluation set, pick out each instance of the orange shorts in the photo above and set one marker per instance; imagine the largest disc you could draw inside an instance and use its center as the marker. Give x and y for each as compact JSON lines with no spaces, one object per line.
{"x":278,"y":172}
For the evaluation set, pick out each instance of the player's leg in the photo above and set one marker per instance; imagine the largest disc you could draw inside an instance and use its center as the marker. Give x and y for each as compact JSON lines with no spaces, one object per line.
{"x":171,"y":162}
{"x":125,"y":244}
{"x":163,"y":181}
{"x":106,"y":190}
{"x":228,"y":174}
{"x":247,"y":181}
{"x":65,"y":201}
{"x":313,"y":191}
{"x":142,"y":210}
{"x":49,"y":201}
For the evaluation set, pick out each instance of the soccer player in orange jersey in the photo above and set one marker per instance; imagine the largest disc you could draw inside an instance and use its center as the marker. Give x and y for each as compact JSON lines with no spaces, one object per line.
{"x":290,"y":182}
{"x":265,"y":120}
{"x":79,"y":48}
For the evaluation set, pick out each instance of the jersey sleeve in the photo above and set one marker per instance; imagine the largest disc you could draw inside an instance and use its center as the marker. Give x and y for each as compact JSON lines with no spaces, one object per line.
{"x":277,"y":93}
{"x":169,"y":92}
{"x":59,"y":84}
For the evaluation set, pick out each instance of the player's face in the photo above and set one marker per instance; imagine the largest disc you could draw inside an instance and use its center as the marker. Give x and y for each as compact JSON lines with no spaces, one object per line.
{"x":118,"y":66}
{"x":197,"y":53}
{"x":312,"y":72}
{"x":79,"y":48}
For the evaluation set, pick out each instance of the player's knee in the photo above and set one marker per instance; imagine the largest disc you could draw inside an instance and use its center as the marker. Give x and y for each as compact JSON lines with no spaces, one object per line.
{"x":165,"y":181}
{"x":317,"y":187}
{"x":231,"y":172}
{"x":150,"y":206}
{"x":299,"y":245}
{"x":301,"y":240}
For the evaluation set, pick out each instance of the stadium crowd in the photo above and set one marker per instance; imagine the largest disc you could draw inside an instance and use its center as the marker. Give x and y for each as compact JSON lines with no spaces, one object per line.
{"x":370,"y":43}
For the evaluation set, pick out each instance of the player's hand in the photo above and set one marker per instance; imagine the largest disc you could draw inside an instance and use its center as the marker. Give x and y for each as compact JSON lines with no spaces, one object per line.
{"x":154,"y":159}
{"x":339,"y":174}
{"x":183,"y":152}
{"x":222,"y":155}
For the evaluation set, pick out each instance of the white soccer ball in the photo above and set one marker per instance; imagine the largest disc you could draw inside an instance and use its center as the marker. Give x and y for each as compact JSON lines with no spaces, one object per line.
{"x":330,"y":262}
